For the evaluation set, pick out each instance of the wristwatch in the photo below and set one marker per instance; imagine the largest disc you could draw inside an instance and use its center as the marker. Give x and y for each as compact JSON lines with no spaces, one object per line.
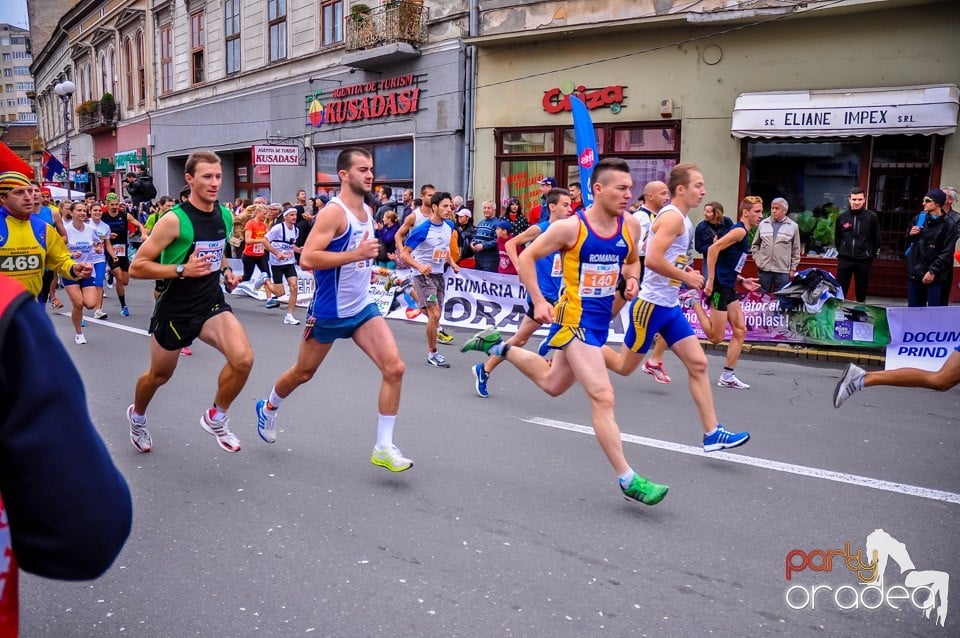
{"x":180,"y":271}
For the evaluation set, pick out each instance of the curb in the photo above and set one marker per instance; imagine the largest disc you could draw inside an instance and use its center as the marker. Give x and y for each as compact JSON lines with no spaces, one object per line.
{"x":792,"y":351}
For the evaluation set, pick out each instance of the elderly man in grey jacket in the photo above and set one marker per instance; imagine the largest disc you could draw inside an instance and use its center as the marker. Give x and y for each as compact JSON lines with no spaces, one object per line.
{"x":776,"y":247}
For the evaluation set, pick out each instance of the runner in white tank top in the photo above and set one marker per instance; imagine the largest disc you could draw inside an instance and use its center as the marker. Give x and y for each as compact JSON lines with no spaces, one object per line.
{"x":340,"y":250}
{"x":657,"y":310}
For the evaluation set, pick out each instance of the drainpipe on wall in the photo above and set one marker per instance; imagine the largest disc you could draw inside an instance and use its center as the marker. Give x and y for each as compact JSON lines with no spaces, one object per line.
{"x":469,"y":101}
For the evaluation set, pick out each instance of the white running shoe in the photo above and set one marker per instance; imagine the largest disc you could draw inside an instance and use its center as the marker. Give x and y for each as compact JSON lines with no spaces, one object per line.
{"x":79,"y":339}
{"x":732,"y":382}
{"x":436,"y":360}
{"x":850,"y":382}
{"x":221,"y":430}
{"x":391,"y":458}
{"x":139,"y":435}
{"x":290,"y":320}
{"x":99,"y":314}
{"x":259,"y":282}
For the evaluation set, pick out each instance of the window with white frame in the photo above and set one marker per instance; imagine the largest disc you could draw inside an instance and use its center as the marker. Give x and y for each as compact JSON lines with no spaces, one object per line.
{"x":277,"y":21}
{"x":231,"y":31}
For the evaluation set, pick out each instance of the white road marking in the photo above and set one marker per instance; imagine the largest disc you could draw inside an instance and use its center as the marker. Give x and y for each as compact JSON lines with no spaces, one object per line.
{"x":777,"y":466}
{"x":110,"y":324}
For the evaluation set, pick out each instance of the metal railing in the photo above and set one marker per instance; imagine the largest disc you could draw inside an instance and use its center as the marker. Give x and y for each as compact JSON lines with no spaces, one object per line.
{"x":395,"y":21}
{"x":87,"y":122}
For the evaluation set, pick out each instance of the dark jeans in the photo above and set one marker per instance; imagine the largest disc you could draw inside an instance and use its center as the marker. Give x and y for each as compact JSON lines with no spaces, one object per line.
{"x":773,"y":281}
{"x":920,"y":294}
{"x":846,"y":268}
{"x":946,"y":288}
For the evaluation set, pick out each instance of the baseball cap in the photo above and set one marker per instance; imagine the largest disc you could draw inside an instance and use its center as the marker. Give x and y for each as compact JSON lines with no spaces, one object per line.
{"x":111,"y":197}
{"x":507,"y":226}
{"x":464,"y":212}
{"x":548,"y":181}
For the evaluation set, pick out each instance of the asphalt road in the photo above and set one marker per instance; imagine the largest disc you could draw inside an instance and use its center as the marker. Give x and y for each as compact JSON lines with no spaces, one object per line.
{"x":511,"y":522}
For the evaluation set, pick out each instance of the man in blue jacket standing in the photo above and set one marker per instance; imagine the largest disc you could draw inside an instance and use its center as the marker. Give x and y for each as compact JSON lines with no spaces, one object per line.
{"x":484,"y":245}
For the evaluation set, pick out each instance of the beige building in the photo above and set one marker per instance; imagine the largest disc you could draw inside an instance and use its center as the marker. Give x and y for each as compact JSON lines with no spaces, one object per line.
{"x":799,"y":100}
{"x":103,"y":47}
{"x":16,"y":83}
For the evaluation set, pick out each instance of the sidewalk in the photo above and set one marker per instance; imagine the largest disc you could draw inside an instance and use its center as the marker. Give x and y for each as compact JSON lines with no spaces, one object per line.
{"x":861,"y":356}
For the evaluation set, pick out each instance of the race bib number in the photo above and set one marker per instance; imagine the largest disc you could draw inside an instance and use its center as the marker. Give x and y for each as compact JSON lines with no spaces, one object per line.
{"x":120,"y":250}
{"x":598,"y":280}
{"x":258,"y":249}
{"x":740,"y":263}
{"x":440,"y":255}
{"x":557,"y":269}
{"x":681,"y":263}
{"x":211,"y":248}
{"x":21,"y":263}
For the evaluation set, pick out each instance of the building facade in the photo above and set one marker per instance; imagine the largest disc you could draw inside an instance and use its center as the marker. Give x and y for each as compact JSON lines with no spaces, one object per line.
{"x":103,"y":47}
{"x":16,"y":83}
{"x":798,"y":100}
{"x":298,"y":81}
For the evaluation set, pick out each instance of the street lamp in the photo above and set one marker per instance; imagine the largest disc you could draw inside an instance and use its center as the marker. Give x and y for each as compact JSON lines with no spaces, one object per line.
{"x":64,"y":91}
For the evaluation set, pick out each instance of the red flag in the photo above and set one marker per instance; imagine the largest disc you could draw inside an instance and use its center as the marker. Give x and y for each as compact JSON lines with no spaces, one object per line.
{"x":10,"y":161}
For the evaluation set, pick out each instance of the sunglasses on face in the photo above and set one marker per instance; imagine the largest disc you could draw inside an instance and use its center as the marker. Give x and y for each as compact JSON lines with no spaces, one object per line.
{"x":927,"y":200}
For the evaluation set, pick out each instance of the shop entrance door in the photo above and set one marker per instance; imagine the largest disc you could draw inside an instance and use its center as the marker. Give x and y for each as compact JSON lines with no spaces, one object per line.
{"x":896,"y":195}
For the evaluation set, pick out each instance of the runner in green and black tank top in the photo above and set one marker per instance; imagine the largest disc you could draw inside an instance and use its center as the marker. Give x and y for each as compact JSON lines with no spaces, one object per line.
{"x":203,"y":232}
{"x":185,"y":250}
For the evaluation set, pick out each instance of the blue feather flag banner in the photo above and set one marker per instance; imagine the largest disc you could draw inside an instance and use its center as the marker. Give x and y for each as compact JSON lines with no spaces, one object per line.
{"x":587,"y":153}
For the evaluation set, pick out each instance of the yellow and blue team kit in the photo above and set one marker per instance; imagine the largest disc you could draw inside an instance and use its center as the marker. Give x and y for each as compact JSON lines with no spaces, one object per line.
{"x":27,"y":247}
{"x":591,"y":268}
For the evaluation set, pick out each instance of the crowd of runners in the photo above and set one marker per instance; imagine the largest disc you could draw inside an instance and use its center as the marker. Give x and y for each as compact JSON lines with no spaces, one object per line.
{"x":580,"y":265}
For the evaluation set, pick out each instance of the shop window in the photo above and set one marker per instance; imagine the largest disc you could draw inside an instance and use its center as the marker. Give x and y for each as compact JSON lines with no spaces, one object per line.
{"x":644,"y":140}
{"x":525,"y":156}
{"x":524,"y":142}
{"x":519,"y":179}
{"x":231,"y":30}
{"x":277,"y":20}
{"x":331,"y":22}
{"x":392,"y":165}
{"x":570,"y":141}
{"x":814,"y":177}
{"x":393,"y":162}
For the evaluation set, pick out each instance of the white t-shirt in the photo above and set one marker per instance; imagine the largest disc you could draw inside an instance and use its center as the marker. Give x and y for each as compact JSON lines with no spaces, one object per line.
{"x":282,"y":239}
{"x":103,"y":232}
{"x":657,"y":288}
{"x":85,"y":241}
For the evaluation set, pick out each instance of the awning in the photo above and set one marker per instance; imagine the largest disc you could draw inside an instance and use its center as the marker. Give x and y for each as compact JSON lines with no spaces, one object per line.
{"x":907,"y":110}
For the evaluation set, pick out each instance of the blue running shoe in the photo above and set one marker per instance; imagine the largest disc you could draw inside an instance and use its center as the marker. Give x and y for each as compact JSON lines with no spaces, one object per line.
{"x":125,"y":312}
{"x":272,"y":302}
{"x":724,"y":440}
{"x":480,"y":377}
{"x":83,"y":323}
{"x":266,"y":424}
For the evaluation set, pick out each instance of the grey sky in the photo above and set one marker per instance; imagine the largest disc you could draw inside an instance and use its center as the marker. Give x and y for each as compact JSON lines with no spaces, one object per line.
{"x":14,"y":12}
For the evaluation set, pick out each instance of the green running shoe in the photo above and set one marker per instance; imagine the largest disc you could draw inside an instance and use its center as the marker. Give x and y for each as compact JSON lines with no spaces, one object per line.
{"x":644,"y":490}
{"x":482,"y":341}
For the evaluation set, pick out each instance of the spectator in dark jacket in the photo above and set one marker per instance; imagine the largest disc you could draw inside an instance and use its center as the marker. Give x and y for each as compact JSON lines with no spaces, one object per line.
{"x":930,"y":254}
{"x":514,"y":214}
{"x":65,"y":509}
{"x":387,"y":234}
{"x":714,"y":226}
{"x":857,"y":238}
{"x":465,"y":230}
{"x":484,"y":243}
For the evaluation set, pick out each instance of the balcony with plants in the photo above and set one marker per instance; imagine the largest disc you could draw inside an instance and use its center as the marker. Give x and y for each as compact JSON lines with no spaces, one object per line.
{"x":396,"y":28}
{"x":98,"y":115}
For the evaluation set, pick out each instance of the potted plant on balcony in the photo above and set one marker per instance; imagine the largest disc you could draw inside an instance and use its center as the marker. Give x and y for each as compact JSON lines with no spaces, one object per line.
{"x":361,"y":20}
{"x":87,"y":108}
{"x":108,"y":107}
{"x":405,"y":18}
